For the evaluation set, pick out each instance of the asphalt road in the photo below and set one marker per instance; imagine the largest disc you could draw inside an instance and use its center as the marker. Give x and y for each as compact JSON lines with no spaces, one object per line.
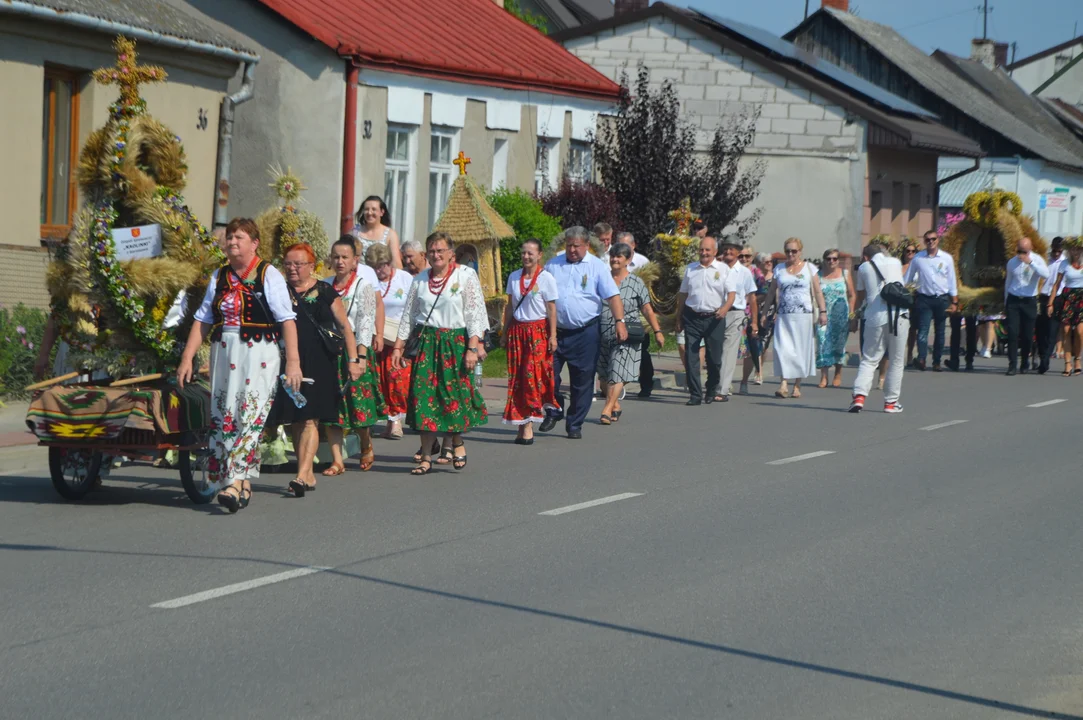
{"x":911,"y":573}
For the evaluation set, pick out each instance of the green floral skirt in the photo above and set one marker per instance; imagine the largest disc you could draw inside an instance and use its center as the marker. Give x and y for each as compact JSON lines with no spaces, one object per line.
{"x":443,"y":398}
{"x":361,"y":404}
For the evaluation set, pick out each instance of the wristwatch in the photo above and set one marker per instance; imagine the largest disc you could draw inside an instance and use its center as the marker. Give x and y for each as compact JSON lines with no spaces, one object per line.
{"x":472,"y":349}
{"x":620,"y":320}
{"x":356,"y":360}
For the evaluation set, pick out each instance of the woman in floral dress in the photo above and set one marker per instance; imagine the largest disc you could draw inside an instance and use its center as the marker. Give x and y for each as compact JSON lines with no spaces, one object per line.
{"x":831,"y":338}
{"x":446,"y":305}
{"x":392,"y":285}
{"x":246,"y":307}
{"x":530,"y":337}
{"x":361,"y":404}
{"x":793,"y":290}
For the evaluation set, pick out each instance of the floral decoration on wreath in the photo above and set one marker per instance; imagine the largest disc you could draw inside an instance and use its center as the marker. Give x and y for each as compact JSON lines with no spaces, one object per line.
{"x":1075,"y":242}
{"x":984,"y":206}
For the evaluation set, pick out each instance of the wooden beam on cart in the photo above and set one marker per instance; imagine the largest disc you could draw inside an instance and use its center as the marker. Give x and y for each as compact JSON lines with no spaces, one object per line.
{"x":53,"y":381}
{"x":137,"y":380}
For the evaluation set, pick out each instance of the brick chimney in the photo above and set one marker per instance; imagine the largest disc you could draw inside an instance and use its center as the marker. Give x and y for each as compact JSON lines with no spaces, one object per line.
{"x":627,"y":6}
{"x":989,"y":53}
{"x":840,"y":5}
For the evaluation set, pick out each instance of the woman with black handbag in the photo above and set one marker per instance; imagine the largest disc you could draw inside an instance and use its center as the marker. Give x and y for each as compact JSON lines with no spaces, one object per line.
{"x":618,"y":362}
{"x":441,"y":330}
{"x":323,"y":334}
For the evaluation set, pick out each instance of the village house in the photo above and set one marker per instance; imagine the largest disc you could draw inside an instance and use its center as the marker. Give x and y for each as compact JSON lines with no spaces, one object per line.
{"x":563,"y":14}
{"x":1055,"y":72}
{"x":844,"y":159}
{"x":377,"y":98}
{"x":975,"y":98}
{"x":48,"y":49}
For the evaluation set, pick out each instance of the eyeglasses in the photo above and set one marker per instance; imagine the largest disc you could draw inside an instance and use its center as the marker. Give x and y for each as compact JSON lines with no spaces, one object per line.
{"x":833,"y":259}
{"x":745,"y":257}
{"x":910,"y":251}
{"x":792,"y":252}
{"x":931,"y":240}
{"x":295,"y":265}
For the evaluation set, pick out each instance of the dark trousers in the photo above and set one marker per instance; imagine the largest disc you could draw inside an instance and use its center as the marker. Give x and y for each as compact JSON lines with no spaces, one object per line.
{"x":1045,"y":327}
{"x":957,"y":338}
{"x":1021,"y":314}
{"x":754,"y":350}
{"x":579,"y":350}
{"x":710,"y":331}
{"x":646,"y":366}
{"x":931,"y":308}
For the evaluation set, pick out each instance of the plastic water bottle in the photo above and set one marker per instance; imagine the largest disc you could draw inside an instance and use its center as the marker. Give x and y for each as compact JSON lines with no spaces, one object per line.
{"x":477,"y":374}
{"x":298,"y":399}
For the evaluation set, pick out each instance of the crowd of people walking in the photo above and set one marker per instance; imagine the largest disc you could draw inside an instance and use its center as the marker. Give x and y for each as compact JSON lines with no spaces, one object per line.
{"x":395,"y":334}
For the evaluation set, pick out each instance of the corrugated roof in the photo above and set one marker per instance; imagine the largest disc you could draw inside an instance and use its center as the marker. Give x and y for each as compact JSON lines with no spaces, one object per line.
{"x":955,"y":193}
{"x":953,"y":89}
{"x":151,"y":15}
{"x":464,"y":40}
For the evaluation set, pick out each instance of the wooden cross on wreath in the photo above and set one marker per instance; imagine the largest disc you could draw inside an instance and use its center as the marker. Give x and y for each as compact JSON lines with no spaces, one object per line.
{"x":128,"y":75}
{"x":462,"y":161}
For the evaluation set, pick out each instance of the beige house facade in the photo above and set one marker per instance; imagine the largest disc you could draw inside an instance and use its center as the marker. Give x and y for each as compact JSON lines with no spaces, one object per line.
{"x":51,"y":105}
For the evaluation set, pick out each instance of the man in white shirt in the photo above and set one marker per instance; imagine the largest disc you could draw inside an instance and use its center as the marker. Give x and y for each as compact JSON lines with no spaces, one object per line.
{"x":886,"y":329}
{"x":638,"y":261}
{"x":1046,"y":327}
{"x":937,"y":296}
{"x":745,"y":295}
{"x":1021,"y":302}
{"x":705,"y":298}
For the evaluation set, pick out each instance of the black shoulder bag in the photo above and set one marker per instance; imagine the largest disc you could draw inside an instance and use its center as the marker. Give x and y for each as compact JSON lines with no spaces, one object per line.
{"x":895,"y":296}
{"x":332,"y":340}
{"x":413,"y":343}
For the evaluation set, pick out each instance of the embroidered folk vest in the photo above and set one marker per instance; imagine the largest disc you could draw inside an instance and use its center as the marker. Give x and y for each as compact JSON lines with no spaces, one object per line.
{"x":256,"y":324}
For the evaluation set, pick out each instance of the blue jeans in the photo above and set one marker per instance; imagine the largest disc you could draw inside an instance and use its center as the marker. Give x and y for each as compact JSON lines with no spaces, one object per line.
{"x":578,"y":349}
{"x":931,"y":308}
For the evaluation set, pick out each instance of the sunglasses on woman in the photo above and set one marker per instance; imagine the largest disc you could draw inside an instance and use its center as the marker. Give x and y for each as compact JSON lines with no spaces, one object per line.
{"x":833,"y":259}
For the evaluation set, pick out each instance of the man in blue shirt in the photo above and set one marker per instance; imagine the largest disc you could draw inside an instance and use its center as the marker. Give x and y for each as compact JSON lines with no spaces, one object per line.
{"x":583,"y":283}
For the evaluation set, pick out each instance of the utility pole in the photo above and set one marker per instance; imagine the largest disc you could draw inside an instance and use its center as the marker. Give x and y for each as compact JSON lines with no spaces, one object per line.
{"x":806,"y":9}
{"x":985,"y":22}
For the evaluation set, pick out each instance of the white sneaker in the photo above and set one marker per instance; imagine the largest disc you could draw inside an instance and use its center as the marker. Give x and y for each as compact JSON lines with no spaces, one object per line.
{"x":893,"y":408}
{"x":987,"y":353}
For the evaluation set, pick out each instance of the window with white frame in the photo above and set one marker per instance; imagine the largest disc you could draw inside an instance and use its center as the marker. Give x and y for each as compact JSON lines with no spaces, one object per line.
{"x":546,"y":161}
{"x":397,"y":167}
{"x":444,"y":146}
{"x":580,"y":165}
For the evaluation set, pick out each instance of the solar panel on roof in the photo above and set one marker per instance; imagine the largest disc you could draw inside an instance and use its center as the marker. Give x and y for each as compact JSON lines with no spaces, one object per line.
{"x":788,"y":50}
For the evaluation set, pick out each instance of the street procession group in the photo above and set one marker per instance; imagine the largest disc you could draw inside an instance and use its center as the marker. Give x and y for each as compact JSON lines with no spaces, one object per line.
{"x":395,"y":335}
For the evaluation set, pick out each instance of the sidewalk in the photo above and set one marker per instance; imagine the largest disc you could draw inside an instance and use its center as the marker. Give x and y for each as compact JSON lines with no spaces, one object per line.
{"x":18,"y":447}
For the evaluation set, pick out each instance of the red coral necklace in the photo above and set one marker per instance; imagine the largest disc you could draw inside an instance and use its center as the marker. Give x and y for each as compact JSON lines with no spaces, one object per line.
{"x":437,"y":286}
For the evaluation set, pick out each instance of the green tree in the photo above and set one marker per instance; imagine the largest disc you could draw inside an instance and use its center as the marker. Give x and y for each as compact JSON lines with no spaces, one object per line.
{"x":535,"y":21}
{"x":525,"y":215}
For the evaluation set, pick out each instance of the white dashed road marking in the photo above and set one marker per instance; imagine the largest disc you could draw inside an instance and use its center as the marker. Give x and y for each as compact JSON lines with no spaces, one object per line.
{"x":590,"y":504}
{"x":949,"y":423}
{"x":1047,"y":403}
{"x":798,"y":458}
{"x":237,"y":587}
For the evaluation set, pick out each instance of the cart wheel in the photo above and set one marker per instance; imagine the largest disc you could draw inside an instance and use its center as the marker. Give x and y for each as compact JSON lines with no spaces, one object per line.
{"x":193,"y":473}
{"x":74,"y":472}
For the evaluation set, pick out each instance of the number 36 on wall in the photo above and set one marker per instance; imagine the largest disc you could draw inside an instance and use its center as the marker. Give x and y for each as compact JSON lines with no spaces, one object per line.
{"x":201,"y":122}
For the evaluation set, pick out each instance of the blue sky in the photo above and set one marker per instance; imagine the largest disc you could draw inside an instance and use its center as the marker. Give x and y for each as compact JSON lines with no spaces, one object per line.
{"x":930,"y":24}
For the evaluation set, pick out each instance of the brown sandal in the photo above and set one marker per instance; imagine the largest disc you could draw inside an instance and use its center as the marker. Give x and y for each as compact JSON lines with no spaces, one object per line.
{"x":334,"y":471}
{"x":368,"y":459}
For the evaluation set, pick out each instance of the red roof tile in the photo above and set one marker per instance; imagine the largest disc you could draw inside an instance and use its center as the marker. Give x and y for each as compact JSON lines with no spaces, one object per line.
{"x":463,"y":40}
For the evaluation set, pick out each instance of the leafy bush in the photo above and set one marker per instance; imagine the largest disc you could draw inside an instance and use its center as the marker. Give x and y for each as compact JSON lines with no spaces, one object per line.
{"x":525,"y":215}
{"x":582,"y":204}
{"x":21,"y":330}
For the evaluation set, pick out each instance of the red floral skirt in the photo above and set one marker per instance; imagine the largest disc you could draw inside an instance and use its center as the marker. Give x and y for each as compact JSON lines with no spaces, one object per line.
{"x":530,"y":373}
{"x":394,"y":384}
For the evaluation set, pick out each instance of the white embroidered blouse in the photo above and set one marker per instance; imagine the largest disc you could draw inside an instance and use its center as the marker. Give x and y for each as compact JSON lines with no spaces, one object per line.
{"x":462,"y":304}
{"x":360,"y":303}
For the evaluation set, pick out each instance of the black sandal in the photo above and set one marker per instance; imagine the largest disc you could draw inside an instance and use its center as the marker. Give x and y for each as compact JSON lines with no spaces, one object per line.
{"x":229,"y":500}
{"x":458,"y":461}
{"x":616,"y":415}
{"x":298,"y":488}
{"x":246,"y":497}
{"x":446,"y":456}
{"x":421,"y":468}
{"x":420,"y":454}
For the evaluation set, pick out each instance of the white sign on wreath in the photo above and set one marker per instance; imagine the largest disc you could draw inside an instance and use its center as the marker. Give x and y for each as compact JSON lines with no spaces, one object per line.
{"x":134,"y":243}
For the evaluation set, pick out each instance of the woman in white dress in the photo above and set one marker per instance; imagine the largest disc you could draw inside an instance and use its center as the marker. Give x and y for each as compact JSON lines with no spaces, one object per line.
{"x":447,"y":307}
{"x":374,"y":226}
{"x":792,"y":291}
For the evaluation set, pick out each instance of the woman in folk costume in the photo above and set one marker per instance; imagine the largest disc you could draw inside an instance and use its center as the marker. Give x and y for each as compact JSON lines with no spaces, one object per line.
{"x":445,"y":319}
{"x":530,"y":337}
{"x":362,"y":403}
{"x":246,"y":304}
{"x":392,"y":286}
